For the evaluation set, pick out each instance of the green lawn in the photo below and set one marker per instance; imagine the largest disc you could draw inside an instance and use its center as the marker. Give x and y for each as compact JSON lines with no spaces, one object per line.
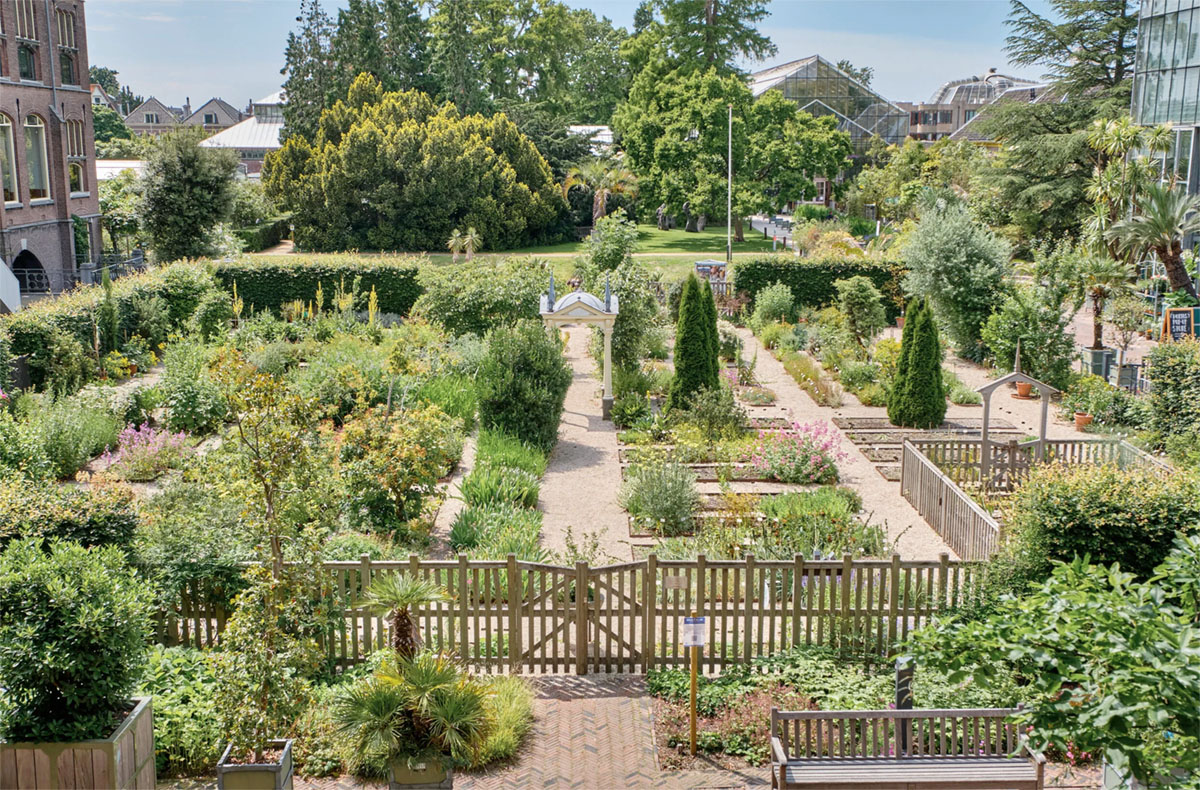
{"x":652,"y":241}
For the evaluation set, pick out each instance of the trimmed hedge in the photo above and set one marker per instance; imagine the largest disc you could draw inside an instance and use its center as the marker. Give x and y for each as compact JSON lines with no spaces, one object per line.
{"x":256,"y":238}
{"x":269,"y":281}
{"x":812,"y":279}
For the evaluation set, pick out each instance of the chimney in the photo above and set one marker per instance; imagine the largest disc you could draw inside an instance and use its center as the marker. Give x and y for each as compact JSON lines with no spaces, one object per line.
{"x":187,"y":106}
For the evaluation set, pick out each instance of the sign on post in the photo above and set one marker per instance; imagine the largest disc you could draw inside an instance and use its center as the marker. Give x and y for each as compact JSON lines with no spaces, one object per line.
{"x":1178,"y":322}
{"x":693,"y":632}
{"x":693,"y":637}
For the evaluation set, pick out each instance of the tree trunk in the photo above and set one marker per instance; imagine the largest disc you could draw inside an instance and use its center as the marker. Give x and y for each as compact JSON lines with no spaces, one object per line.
{"x":599,"y":206}
{"x":738,"y":230}
{"x":1097,"y":323}
{"x":1177,"y":275}
{"x":404,"y":640}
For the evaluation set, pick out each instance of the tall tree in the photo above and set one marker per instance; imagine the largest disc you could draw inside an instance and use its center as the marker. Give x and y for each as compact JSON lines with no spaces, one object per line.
{"x":308,"y":71}
{"x":356,"y":45}
{"x":406,"y":47}
{"x":455,"y":61}
{"x":106,"y":78}
{"x":186,"y":192}
{"x":704,"y":34}
{"x":1163,"y":217}
{"x":696,"y":363}
{"x":1087,"y":47}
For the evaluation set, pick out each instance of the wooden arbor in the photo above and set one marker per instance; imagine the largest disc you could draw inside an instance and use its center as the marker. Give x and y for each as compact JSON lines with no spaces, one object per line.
{"x":579,"y":307}
{"x":986,"y":391}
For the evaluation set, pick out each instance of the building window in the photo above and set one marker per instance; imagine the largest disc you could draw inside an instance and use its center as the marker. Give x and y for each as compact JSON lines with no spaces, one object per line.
{"x":210,"y":119}
{"x":75,"y":176}
{"x":66,"y":28}
{"x":73,"y":131}
{"x":151,"y":117}
{"x":66,"y":63}
{"x":35,"y":158}
{"x":27,"y":62}
{"x":26,"y":20}
{"x":8,"y":160}
{"x":968,"y":115}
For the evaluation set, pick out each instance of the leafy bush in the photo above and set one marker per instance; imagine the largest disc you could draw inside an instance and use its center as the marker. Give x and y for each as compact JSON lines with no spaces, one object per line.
{"x":641,"y":380}
{"x":523,"y":383}
{"x":729,"y":346}
{"x":809,"y":279}
{"x":662,"y":497}
{"x":145,"y":452}
{"x":500,"y":449}
{"x":212,"y":316}
{"x":805,"y":453}
{"x":349,"y":545}
{"x":510,"y":710}
{"x":453,"y":393}
{"x":1043,"y":328}
{"x":638,"y":315}
{"x":872,"y":395}
{"x":194,"y":401}
{"x":187,"y":738}
{"x":344,"y":374}
{"x":630,"y":409}
{"x":481,"y":295}
{"x":74,"y":623}
{"x":611,"y":242}
{"x":493,"y":532}
{"x":716,"y":413}
{"x":773,"y":304}
{"x":856,"y":375}
{"x":776,"y":335}
{"x":1174,"y":373}
{"x":489,"y":484}
{"x":862,"y":305}
{"x":1108,"y":404}
{"x":1130,"y":516}
{"x":265,"y":281}
{"x":93,"y":516}
{"x":69,"y":434}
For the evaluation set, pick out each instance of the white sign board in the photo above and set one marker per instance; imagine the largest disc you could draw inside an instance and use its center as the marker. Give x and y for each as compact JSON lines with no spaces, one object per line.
{"x":694,"y":633}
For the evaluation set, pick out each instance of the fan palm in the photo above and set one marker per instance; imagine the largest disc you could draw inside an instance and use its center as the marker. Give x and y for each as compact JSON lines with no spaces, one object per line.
{"x":471,"y":242}
{"x":1098,"y":278}
{"x":394,"y":596}
{"x":456,"y":243}
{"x":603,"y":180}
{"x":1162,"y":219}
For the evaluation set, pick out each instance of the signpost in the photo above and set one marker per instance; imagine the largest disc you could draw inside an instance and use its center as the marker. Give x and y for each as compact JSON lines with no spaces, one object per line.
{"x":1178,"y":322}
{"x":693,"y":637}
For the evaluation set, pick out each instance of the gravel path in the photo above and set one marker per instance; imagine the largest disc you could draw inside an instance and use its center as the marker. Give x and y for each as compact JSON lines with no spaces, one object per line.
{"x":580,"y":487}
{"x":882,"y":502}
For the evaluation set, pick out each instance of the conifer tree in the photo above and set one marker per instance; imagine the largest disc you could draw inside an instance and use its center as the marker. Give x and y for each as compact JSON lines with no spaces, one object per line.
{"x":906,"y":344}
{"x":714,"y":340}
{"x":695,"y":357}
{"x":920,"y":401}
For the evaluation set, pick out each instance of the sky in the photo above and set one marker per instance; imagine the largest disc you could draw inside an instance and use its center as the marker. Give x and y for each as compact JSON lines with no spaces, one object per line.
{"x":233,"y":49}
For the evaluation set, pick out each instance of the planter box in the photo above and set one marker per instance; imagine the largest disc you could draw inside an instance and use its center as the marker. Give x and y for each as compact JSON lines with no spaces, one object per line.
{"x":431,"y":775}
{"x":124,"y":760}
{"x":1098,"y":361}
{"x":250,"y":776}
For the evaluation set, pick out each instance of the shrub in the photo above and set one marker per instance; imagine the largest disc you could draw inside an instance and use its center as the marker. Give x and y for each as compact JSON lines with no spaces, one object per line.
{"x":729,"y":346}
{"x":773,"y":304}
{"x":1130,"y":516}
{"x":71,"y":434}
{"x":716,"y":413}
{"x":494,"y":531}
{"x":187,"y":738}
{"x":74,"y":623}
{"x":628,"y":410}
{"x":805,"y":453}
{"x":265,"y":281}
{"x":641,"y":380}
{"x":453,"y":393}
{"x":637,"y":317}
{"x":1174,"y":373}
{"x":918,"y":397}
{"x":523,"y":383}
{"x":872,"y":395}
{"x":862,"y":305}
{"x":212,"y":316}
{"x":500,"y":449}
{"x":774,"y":335}
{"x":481,"y":295}
{"x":274,"y":358}
{"x":93,"y":516}
{"x":1043,"y":329}
{"x":349,"y":546}
{"x":1108,"y":404}
{"x":193,"y":400}
{"x":856,"y":375}
{"x":20,"y":451}
{"x":344,"y":374}
{"x":489,"y":484}
{"x":146,"y":452}
{"x":809,"y":279}
{"x":696,"y":364}
{"x":510,"y":710}
{"x":662,"y":497}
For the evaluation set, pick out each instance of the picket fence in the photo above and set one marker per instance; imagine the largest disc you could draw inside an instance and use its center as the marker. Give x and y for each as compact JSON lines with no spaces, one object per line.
{"x":526,"y":617}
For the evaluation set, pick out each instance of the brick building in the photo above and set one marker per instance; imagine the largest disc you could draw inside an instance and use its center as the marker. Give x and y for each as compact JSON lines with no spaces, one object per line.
{"x":47,"y":156}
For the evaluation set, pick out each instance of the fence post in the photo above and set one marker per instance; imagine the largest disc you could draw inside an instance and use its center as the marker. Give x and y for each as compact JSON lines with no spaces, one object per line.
{"x":514,"y":615}
{"x":797,"y":594}
{"x":847,"y":570}
{"x":893,"y":602}
{"x":943,"y":579}
{"x":364,"y":584}
{"x":698,"y":605}
{"x":649,"y":611}
{"x":464,"y":602}
{"x":748,"y":611}
{"x":581,"y":618}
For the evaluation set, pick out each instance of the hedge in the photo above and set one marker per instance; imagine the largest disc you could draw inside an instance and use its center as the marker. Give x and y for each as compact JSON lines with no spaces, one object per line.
{"x":264,"y":235}
{"x":268,"y":281}
{"x":812,"y":279}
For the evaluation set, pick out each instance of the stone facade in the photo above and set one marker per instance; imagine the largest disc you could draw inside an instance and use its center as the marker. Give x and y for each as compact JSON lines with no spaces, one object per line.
{"x":47,"y":151}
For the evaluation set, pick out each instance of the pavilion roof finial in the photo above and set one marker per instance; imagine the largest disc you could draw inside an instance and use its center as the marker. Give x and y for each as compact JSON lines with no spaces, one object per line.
{"x":1017,"y":361}
{"x":552,"y":299}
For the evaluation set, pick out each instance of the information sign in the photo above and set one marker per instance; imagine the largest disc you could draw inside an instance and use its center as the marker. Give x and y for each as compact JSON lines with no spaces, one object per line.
{"x":694,"y":633}
{"x":1178,"y":322}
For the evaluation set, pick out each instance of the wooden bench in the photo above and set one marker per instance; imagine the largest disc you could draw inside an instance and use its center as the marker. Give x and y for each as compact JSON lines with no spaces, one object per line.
{"x":901,"y":750}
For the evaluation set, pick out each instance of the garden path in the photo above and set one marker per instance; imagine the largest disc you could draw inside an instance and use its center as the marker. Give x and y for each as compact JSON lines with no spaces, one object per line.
{"x":913,"y":538}
{"x":453,"y":504}
{"x":583,"y":476}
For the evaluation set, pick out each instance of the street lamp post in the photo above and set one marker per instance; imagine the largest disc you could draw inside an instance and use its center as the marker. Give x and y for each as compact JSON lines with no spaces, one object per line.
{"x":729,"y":199}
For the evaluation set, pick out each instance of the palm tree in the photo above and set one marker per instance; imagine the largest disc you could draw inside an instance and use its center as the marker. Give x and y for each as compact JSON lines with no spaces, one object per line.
{"x":603,"y":179}
{"x":456,"y":243}
{"x":393,"y":596}
{"x":1098,"y":278}
{"x":1162,"y":219}
{"x":1120,"y":175}
{"x":471,"y":242}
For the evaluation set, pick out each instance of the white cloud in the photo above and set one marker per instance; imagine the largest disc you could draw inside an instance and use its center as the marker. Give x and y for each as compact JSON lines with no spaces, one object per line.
{"x":158,"y":18}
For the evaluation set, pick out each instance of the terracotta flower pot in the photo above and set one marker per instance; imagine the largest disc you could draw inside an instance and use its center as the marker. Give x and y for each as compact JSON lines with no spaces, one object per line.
{"x":133,"y":368}
{"x":1082,"y":420}
{"x":1024,"y":388}
{"x":899,"y":322}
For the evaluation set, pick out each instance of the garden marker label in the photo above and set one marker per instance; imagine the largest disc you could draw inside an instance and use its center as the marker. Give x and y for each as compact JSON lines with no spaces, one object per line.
{"x":694,"y":632}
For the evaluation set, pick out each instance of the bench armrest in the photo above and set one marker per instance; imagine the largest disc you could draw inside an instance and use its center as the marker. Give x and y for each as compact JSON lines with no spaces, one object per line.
{"x":1037,"y":758}
{"x":778,"y":755}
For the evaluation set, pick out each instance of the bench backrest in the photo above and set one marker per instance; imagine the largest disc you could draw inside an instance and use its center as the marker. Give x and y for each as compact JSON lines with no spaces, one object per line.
{"x":900,"y":734}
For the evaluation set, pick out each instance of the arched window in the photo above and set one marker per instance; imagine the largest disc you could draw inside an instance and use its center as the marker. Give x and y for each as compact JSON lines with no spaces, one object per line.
{"x":66,"y":63}
{"x":27,"y":62}
{"x":8,"y":160}
{"x":35,"y":158}
{"x":75,"y":176}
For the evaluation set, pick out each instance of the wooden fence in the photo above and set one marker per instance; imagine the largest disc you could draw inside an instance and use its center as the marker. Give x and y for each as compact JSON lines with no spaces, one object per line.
{"x":515,"y":616}
{"x":965,"y":526}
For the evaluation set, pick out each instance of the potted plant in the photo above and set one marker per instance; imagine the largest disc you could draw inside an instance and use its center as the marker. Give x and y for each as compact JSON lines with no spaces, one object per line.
{"x":1024,"y":388}
{"x":68,"y":674}
{"x":1127,"y":319}
{"x":1099,"y":279}
{"x":1082,"y":420}
{"x":260,"y":688}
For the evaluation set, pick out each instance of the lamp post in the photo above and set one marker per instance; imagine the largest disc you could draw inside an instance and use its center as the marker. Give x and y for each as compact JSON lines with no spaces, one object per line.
{"x":729,"y":198}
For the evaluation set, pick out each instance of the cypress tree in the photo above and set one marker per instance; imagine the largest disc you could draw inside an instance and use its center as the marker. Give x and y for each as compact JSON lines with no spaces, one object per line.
{"x":694,"y":355}
{"x":906,"y":345}
{"x":922,"y":399}
{"x":714,"y":340}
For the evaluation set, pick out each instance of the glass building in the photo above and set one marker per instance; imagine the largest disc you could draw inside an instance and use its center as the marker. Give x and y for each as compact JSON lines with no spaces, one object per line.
{"x":1166,"y":82}
{"x":821,"y":89}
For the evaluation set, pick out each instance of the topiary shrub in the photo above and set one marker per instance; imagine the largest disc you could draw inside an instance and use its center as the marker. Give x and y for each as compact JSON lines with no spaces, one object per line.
{"x":522,"y":383}
{"x":74,"y":624}
{"x":1130,"y":516}
{"x":696,"y":363}
{"x":918,"y":396}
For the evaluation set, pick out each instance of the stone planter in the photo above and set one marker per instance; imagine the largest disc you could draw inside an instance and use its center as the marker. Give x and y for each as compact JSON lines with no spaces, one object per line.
{"x":264,"y":776}
{"x":1098,"y":361}
{"x":1082,"y":420}
{"x":429,"y":775}
{"x":1127,"y":376}
{"x":123,"y":760}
